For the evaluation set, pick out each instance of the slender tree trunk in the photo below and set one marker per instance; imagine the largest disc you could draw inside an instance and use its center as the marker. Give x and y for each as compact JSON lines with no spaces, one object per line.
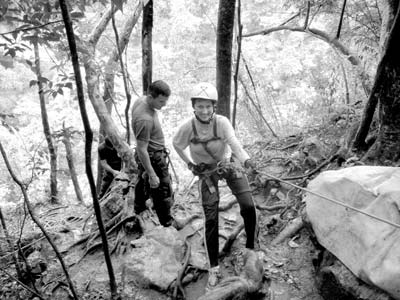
{"x":108,"y":96}
{"x":147,"y":52}
{"x":46,"y":128}
{"x":226,"y":17}
{"x":88,"y":143}
{"x":235,"y":76}
{"x":124,"y":78}
{"x":71,"y":165}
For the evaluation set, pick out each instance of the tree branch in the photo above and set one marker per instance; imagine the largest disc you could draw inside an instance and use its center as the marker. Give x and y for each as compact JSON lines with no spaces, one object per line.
{"x":101,"y":26}
{"x":314,"y":32}
{"x":341,"y":19}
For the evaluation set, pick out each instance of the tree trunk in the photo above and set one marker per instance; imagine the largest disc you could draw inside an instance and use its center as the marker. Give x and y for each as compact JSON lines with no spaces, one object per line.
{"x":236,"y":74}
{"x":226,"y":17}
{"x":91,"y":80}
{"x":387,"y":90}
{"x":70,"y":159}
{"x":388,"y":9}
{"x":147,"y":52}
{"x":108,"y":95}
{"x":46,"y":128}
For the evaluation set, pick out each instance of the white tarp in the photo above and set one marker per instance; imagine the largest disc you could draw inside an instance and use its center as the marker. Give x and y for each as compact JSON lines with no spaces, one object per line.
{"x":368,"y":247}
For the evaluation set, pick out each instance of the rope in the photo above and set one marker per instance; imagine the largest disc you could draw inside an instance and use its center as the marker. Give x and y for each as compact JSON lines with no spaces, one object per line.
{"x":331,"y":200}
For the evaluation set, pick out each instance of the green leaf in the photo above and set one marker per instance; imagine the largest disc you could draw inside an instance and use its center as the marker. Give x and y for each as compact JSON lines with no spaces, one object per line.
{"x":32,"y":83}
{"x":68,"y":85}
{"x":43,"y":79}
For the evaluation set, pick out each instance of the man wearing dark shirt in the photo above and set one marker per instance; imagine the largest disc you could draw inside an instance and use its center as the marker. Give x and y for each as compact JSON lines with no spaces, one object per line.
{"x":111,"y":163}
{"x":154,"y":178}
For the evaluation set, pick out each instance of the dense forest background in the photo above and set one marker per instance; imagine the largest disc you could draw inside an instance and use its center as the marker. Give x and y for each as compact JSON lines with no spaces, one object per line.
{"x":289,"y":81}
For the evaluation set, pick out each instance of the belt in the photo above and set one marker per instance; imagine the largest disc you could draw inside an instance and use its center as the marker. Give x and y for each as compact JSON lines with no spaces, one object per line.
{"x":164,"y":150}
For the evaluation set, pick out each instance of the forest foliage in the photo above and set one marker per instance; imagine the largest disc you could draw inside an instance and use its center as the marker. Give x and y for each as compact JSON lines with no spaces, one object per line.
{"x":295,"y":80}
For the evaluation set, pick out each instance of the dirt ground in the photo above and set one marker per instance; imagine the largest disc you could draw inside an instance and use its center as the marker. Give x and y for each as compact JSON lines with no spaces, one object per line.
{"x":289,"y":273}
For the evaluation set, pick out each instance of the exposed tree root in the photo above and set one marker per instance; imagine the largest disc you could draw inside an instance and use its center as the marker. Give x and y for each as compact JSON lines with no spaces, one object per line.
{"x":291,"y":228}
{"x":272,"y":207}
{"x":229,"y":242}
{"x":178,"y":281}
{"x":318,"y":168}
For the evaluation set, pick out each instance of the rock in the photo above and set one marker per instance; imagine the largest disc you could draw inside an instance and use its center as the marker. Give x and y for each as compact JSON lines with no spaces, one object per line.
{"x":367,"y":246}
{"x":37,"y":262}
{"x":336,"y":282}
{"x":154,"y":260}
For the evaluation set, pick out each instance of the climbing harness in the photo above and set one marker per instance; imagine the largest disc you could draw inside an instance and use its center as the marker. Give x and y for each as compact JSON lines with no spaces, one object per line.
{"x":204,"y":142}
{"x":222,"y":169}
{"x":330,"y":199}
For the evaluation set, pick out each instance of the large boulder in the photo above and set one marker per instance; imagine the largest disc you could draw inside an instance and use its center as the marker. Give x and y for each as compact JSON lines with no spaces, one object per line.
{"x":370,"y":248}
{"x":155,"y":259}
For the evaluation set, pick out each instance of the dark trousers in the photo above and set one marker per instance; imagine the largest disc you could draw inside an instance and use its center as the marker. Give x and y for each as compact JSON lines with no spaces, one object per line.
{"x":161,"y":196}
{"x":239,"y":186}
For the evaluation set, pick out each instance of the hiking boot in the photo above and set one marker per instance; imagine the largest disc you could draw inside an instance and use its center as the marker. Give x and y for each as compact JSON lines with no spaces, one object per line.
{"x":214,"y":277}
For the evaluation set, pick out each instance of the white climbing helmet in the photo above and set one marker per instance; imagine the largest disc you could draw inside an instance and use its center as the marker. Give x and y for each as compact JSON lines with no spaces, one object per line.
{"x":204,"y":90}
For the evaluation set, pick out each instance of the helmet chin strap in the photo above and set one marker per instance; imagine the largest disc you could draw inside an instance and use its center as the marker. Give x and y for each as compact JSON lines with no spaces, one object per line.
{"x":205,"y":122}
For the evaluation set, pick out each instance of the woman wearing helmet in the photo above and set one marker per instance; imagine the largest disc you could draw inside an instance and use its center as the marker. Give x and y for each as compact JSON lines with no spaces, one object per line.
{"x":211,"y":141}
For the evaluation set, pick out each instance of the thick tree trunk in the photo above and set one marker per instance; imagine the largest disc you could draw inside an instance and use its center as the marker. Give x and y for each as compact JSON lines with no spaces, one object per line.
{"x":226,"y":17}
{"x":387,"y":89}
{"x":147,"y":52}
{"x":388,"y":10}
{"x":46,"y":128}
{"x":70,"y":160}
